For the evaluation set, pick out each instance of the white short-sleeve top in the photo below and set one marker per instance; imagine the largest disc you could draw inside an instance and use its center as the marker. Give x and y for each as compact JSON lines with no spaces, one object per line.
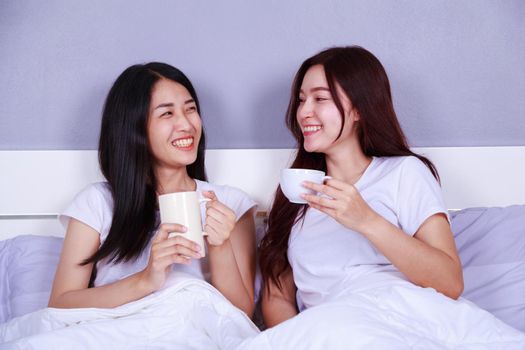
{"x":94,"y":207}
{"x":325,"y":256}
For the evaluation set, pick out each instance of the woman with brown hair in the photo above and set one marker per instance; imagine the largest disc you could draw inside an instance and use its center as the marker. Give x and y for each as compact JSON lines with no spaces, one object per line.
{"x":379,"y":224}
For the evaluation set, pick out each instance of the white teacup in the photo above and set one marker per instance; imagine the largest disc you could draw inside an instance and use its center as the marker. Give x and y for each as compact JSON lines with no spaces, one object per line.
{"x":292,"y":179}
{"x":184,"y":208}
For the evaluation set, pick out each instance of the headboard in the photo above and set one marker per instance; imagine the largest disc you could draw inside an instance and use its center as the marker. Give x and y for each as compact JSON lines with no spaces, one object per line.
{"x":37,"y":185}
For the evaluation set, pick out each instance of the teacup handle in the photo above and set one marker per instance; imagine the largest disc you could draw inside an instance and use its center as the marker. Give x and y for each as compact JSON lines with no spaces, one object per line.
{"x":327,"y":178}
{"x":324,"y":179}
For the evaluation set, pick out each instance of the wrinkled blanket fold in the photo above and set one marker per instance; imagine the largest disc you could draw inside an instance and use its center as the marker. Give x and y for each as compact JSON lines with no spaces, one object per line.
{"x":191,"y":314}
{"x":187,"y":314}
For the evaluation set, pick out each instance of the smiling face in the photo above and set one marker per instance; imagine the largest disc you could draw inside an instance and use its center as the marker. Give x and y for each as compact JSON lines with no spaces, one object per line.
{"x":174,"y":125}
{"x":318,"y":116}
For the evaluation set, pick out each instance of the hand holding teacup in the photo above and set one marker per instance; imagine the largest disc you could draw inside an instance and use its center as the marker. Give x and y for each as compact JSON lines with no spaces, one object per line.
{"x":341,"y":201}
{"x":336,"y":198}
{"x":292,"y":179}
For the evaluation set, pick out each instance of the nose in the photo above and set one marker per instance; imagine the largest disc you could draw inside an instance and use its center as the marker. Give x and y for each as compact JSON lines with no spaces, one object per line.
{"x":181,"y":122}
{"x":305,"y":109}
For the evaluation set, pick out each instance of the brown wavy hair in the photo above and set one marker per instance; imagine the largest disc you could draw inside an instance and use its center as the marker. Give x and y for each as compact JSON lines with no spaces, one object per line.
{"x":364,"y":80}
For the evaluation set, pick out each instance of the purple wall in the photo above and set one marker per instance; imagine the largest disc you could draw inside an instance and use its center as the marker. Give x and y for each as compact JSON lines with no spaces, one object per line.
{"x":456,"y":67}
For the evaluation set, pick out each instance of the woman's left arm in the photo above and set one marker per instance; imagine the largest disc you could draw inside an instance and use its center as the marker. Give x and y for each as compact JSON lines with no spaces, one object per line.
{"x":428,"y":259}
{"x":231,"y":253}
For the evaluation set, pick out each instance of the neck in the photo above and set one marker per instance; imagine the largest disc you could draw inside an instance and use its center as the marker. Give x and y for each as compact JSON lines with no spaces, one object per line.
{"x":171,"y":180}
{"x":347,"y":163}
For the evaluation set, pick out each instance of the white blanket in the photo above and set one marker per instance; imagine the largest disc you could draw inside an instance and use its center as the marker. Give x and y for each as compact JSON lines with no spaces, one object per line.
{"x":393,"y":316}
{"x":187,"y":314}
{"x":191,"y":314}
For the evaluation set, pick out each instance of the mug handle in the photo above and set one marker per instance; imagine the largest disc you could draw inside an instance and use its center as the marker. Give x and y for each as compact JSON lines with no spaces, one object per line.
{"x":203,"y":200}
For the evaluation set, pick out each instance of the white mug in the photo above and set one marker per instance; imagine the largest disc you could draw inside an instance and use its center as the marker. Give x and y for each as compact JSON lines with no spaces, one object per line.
{"x":184,"y":208}
{"x":292,"y":179}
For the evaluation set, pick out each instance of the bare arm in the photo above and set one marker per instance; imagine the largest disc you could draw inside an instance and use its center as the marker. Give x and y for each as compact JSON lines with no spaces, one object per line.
{"x":232,"y":264}
{"x":70,"y":287}
{"x":429,"y":259}
{"x":279,"y":306}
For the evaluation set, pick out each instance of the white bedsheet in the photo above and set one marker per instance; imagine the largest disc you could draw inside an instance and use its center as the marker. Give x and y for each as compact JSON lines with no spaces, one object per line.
{"x":191,"y":314}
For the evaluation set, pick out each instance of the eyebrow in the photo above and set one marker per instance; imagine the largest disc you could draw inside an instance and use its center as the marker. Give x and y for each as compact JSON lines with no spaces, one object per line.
{"x":170,"y":104}
{"x":319,"y":88}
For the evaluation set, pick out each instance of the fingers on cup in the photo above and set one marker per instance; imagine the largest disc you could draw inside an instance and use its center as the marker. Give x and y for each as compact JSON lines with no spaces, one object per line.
{"x":173,"y":228}
{"x":180,"y":259}
{"x":183,"y":241}
{"x":217,"y":206}
{"x":317,"y":200}
{"x":210,"y":195}
{"x":214,"y":213}
{"x":186,"y":250}
{"x":173,"y":259}
{"x":190,"y":252}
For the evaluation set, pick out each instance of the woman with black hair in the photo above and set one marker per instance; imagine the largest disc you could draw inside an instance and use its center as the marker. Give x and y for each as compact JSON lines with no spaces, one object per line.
{"x":370,"y":261}
{"x":151,"y":143}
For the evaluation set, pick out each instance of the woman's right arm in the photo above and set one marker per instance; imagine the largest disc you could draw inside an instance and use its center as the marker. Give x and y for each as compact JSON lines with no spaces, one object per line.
{"x":279,"y":305}
{"x":70,"y":287}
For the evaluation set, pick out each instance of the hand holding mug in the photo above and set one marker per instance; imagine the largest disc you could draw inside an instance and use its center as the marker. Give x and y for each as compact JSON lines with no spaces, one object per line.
{"x":166,"y":251}
{"x":220,"y":220}
{"x":184,"y":208}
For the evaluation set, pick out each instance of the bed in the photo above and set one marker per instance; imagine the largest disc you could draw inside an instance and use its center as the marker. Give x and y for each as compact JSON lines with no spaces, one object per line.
{"x":483,"y":187}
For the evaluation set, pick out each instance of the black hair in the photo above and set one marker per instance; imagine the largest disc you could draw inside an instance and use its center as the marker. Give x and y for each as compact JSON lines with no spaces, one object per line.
{"x":127,"y":163}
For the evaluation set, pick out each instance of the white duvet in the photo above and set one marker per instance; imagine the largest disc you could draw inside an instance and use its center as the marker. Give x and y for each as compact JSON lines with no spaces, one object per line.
{"x":390,"y":318}
{"x":190,"y":314}
{"x":187,"y":314}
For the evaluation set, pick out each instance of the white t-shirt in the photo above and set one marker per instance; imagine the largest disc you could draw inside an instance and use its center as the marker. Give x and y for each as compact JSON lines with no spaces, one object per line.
{"x":94,"y":207}
{"x":326,"y":257}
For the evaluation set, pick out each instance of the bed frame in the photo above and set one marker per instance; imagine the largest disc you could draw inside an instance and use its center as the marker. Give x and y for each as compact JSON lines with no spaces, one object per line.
{"x":37,"y":185}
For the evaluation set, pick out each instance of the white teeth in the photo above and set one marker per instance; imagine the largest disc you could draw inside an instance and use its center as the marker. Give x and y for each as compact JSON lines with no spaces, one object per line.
{"x":312,"y":128}
{"x":183,"y":142}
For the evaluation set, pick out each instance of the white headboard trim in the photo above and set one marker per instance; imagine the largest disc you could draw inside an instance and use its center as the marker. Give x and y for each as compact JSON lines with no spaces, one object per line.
{"x":37,"y":185}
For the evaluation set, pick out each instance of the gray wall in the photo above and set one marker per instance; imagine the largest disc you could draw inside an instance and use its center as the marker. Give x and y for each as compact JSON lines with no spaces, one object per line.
{"x":456,"y":67}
